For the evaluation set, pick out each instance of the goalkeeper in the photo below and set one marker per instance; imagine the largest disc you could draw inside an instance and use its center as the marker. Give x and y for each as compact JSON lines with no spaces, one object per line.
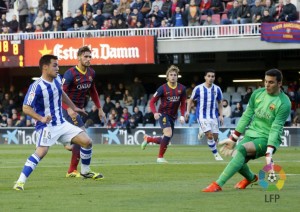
{"x":266,"y":113}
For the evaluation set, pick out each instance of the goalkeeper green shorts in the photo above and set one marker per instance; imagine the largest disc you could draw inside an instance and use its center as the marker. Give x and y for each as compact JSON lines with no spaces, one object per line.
{"x":259,"y":143}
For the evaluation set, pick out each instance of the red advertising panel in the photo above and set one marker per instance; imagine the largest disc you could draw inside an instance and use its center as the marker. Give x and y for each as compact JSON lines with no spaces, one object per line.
{"x":105,"y":51}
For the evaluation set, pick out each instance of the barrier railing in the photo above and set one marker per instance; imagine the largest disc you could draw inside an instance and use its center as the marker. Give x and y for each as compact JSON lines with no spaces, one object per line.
{"x":214,"y":31}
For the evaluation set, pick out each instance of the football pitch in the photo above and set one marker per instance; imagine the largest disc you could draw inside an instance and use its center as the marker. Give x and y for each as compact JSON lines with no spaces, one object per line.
{"x":134,"y":182}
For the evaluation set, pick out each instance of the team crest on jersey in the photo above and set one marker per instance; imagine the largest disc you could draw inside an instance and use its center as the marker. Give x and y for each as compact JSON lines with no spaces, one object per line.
{"x":31,"y":96}
{"x":90,"y":78}
{"x":179,"y":91}
{"x":272,"y":107}
{"x":164,"y":120}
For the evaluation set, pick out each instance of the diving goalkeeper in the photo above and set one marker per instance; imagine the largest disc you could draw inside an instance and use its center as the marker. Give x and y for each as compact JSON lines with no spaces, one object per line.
{"x":266,"y":113}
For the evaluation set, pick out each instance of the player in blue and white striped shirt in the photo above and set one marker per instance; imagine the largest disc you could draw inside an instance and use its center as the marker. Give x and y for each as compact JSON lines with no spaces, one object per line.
{"x":209,"y":109}
{"x":43,"y":102}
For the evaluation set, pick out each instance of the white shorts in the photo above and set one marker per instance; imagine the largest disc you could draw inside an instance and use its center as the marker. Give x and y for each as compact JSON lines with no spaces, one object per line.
{"x":209,"y":125}
{"x":63,"y":133}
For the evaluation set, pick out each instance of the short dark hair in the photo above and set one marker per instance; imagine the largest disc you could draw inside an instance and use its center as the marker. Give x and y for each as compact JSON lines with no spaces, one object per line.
{"x":46,"y":60}
{"x":209,"y":70}
{"x":83,"y":49}
{"x":275,"y":73}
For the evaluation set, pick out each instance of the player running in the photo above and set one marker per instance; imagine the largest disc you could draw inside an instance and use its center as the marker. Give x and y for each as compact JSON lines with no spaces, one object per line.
{"x":43,"y":102}
{"x":266,"y":113}
{"x":78,"y":81}
{"x":172,"y":95}
{"x":209,"y":110}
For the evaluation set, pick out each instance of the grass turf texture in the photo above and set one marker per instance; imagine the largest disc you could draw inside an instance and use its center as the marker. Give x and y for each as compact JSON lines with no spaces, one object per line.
{"x":134,"y":182}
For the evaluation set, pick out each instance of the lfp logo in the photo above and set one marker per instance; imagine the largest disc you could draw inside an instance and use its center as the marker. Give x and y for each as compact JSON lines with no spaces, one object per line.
{"x":274,"y":180}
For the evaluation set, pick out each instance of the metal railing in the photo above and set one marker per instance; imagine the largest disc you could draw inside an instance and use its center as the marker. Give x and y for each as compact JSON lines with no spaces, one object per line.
{"x":214,"y":31}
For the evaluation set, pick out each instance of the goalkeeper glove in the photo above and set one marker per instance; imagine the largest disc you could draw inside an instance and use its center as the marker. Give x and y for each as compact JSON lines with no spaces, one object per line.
{"x":229,"y":143}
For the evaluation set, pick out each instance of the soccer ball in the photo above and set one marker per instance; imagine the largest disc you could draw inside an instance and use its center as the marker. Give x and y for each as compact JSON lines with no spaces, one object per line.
{"x":272,"y":177}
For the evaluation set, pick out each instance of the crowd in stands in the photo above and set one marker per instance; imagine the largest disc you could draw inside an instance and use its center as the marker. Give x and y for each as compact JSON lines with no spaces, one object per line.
{"x":46,"y":15}
{"x":124,"y":114}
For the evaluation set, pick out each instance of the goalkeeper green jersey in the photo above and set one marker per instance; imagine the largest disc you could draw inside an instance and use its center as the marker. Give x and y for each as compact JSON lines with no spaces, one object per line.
{"x":265,"y":115}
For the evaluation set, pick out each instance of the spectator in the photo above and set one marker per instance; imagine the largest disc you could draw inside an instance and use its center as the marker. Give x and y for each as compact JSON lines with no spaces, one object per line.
{"x":146,"y":8}
{"x":267,"y":18}
{"x":289,"y":12}
{"x":78,"y":18}
{"x":84,"y":26}
{"x":159,"y":15}
{"x":243,"y":14}
{"x":232,"y":14}
{"x":270,"y":7}
{"x":178,"y":18}
{"x":3,"y":122}
{"x":119,"y":92}
{"x":99,"y":18}
{"x":193,"y":14}
{"x":93,"y":26}
{"x":237,"y":112}
{"x":97,"y":5}
{"x":40,"y":18}
{"x":216,"y":6}
{"x":123,"y":123}
{"x":138,"y":4}
{"x":93,"y":118}
{"x":50,"y":8}
{"x":105,"y":25}
{"x":89,"y":18}
{"x":3,"y":21}
{"x":127,"y":98}
{"x":108,"y":9}
{"x":137,"y":91}
{"x":192,"y":117}
{"x":247,"y":95}
{"x":126,"y":115}
{"x":111,"y":123}
{"x":85,"y":8}
{"x":21,"y":122}
{"x":67,"y":22}
{"x":46,"y":27}
{"x":58,"y":17}
{"x":113,"y":24}
{"x":209,"y":22}
{"x":296,"y":118}
{"x":255,"y":12}
{"x":124,"y":4}
{"x":137,"y":115}
{"x":132,"y":123}
{"x":114,"y":114}
{"x":29,"y":28}
{"x":23,"y":14}
{"x":226,"y":108}
{"x":149,"y":117}
{"x":158,"y":3}
{"x":121,"y":24}
{"x":109,"y":91}
{"x":108,"y":105}
{"x":205,"y":7}
{"x":14,"y":24}
{"x":55,"y":26}
{"x":278,"y":9}
{"x":119,"y":109}
{"x":167,"y":9}
{"x":48,"y":17}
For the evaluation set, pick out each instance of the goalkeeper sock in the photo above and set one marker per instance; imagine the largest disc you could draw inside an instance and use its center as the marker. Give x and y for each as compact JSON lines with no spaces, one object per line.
{"x":163,"y":146}
{"x":234,"y":165}
{"x":75,"y":158}
{"x":212,"y":146}
{"x":85,"y":155}
{"x":28,"y":168}
{"x":246,"y":172}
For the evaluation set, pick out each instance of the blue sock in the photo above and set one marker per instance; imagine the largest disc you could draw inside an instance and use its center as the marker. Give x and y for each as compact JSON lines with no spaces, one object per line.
{"x":212,"y":146}
{"x":28,"y":168}
{"x":85,"y":155}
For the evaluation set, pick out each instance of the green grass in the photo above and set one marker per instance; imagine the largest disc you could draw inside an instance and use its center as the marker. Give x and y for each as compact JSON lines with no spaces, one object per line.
{"x":134,"y":182}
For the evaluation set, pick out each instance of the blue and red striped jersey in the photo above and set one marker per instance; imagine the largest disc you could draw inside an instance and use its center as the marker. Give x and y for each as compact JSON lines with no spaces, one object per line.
{"x":77,"y":84}
{"x":171,"y":99}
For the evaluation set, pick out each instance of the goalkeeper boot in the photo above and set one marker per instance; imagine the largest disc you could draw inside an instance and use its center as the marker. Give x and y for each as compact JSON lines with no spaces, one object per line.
{"x":161,"y":160}
{"x":93,"y":175}
{"x":145,"y":143}
{"x":244,"y":183}
{"x":213,"y":187}
{"x":19,"y":186}
{"x":74,"y":173}
{"x":218,"y":156}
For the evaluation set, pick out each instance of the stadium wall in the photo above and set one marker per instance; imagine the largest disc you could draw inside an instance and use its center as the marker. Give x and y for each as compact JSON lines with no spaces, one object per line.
{"x":182,"y":136}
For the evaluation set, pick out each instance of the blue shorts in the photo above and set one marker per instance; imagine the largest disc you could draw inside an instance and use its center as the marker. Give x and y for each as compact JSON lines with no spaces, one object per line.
{"x":166,"y":121}
{"x":77,"y":122}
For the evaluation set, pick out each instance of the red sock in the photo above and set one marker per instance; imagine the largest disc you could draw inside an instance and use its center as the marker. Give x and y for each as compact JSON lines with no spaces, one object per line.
{"x":154,"y":139}
{"x":75,"y":158}
{"x":163,"y":146}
